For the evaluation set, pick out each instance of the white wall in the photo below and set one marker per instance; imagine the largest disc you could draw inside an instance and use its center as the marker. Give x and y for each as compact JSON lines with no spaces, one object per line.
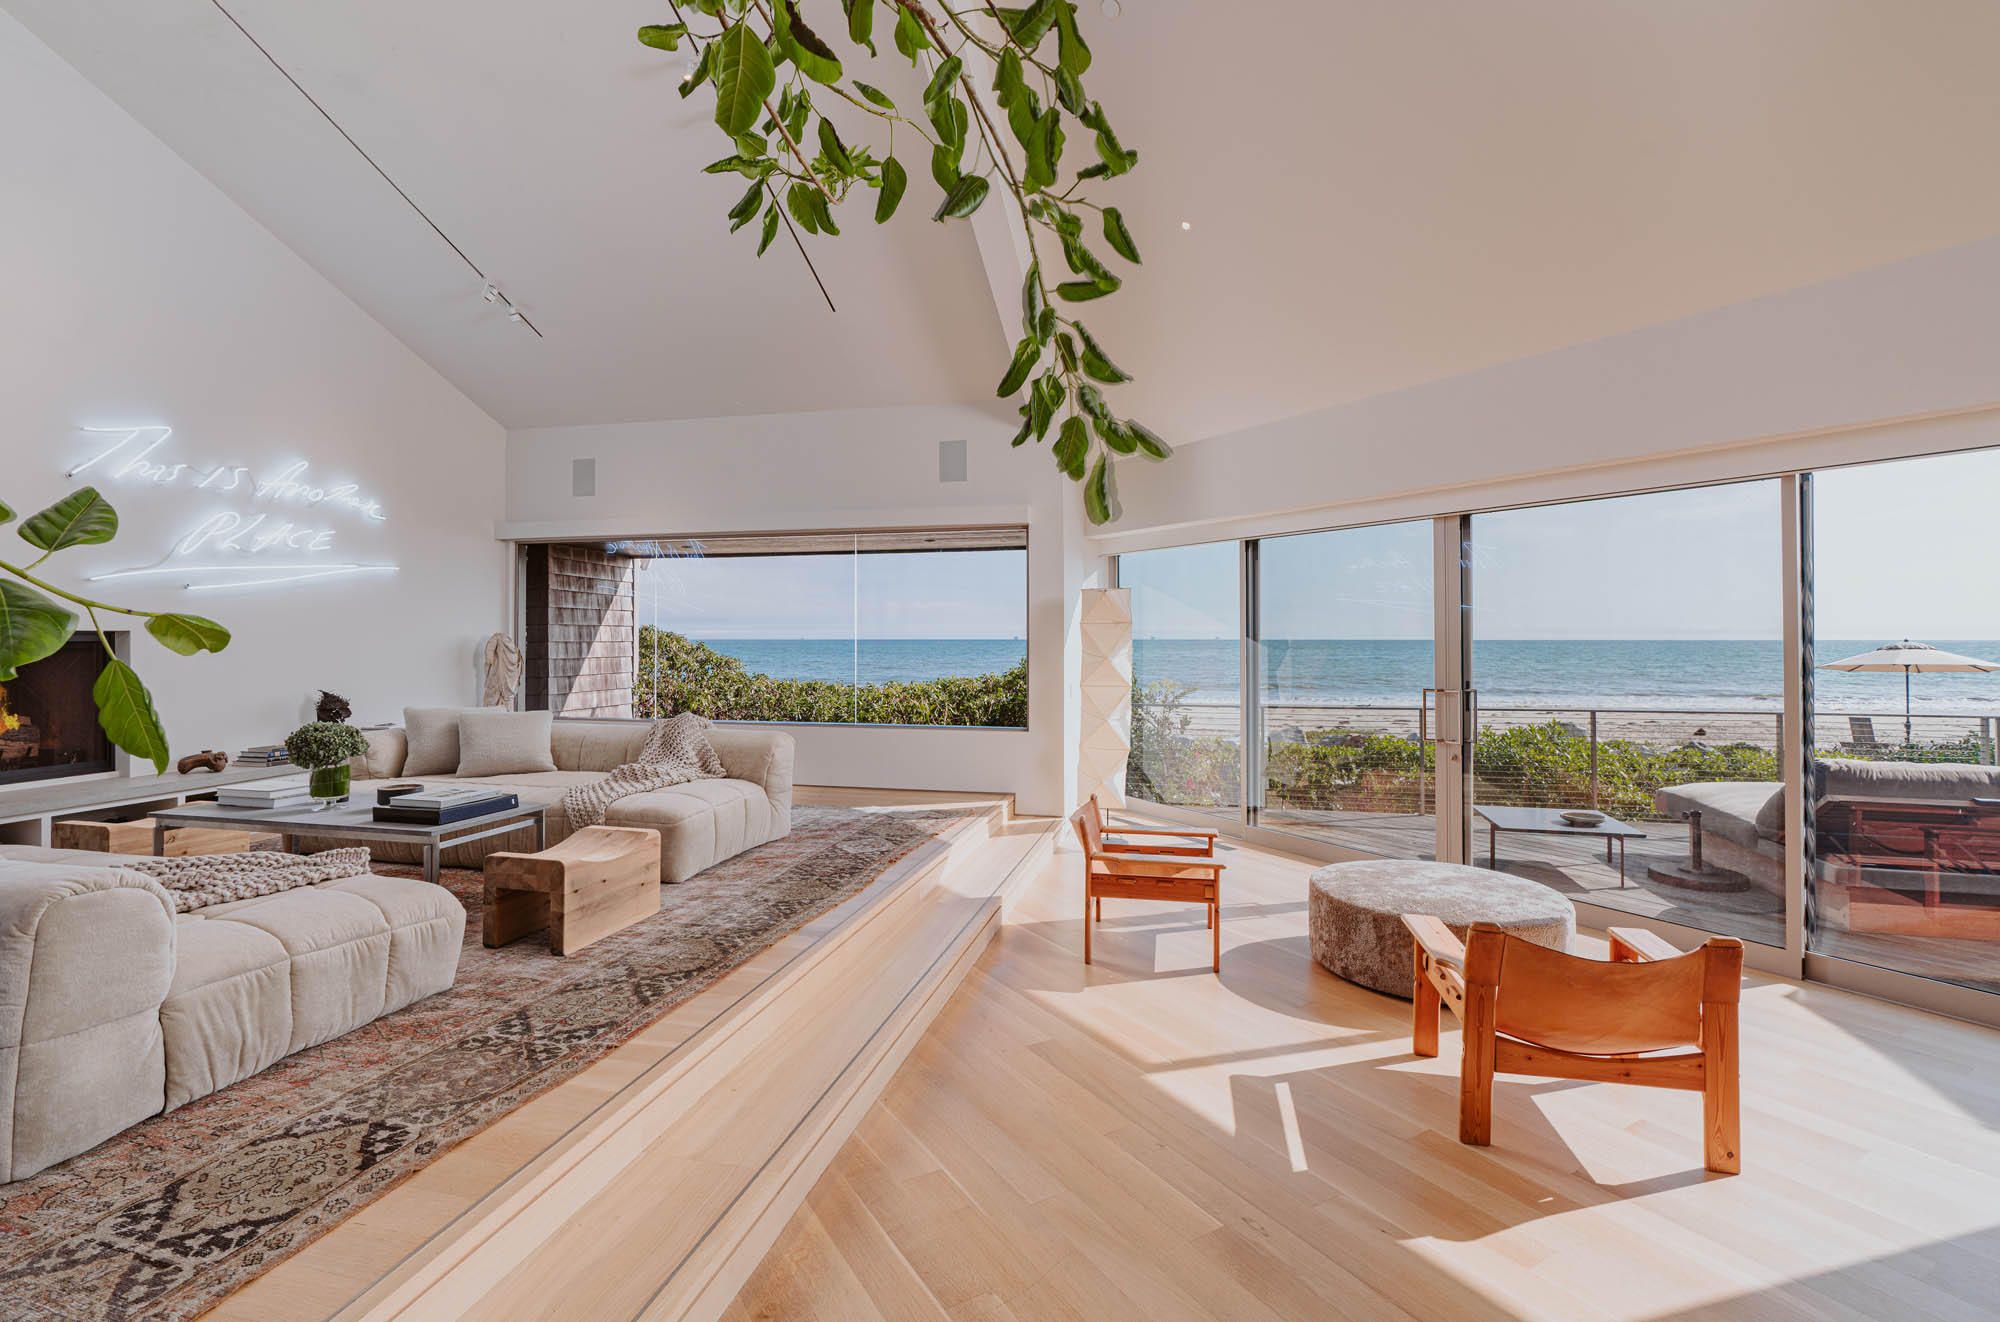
{"x":1740,"y":390}
{"x":860,"y":468}
{"x":136,"y":293}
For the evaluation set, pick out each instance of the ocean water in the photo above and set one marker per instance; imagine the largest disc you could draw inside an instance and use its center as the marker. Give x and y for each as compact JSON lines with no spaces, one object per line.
{"x":1673,"y":674}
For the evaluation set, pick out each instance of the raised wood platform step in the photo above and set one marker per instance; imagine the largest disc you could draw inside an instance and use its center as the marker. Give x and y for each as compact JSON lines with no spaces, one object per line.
{"x":655,"y":1188}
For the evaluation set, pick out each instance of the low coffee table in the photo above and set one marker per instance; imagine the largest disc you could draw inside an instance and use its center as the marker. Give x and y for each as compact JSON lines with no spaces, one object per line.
{"x":1549,"y":821}
{"x":355,"y":821}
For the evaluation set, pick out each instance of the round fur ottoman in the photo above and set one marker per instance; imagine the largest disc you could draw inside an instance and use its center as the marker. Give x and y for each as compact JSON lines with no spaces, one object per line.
{"x":1357,"y":914}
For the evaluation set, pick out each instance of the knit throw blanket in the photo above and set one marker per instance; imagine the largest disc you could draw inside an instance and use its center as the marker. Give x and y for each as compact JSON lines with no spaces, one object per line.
{"x":677,"y":751}
{"x":204,"y":879}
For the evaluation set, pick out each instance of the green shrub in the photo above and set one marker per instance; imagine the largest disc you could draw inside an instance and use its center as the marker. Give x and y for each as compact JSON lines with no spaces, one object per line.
{"x":1545,"y":765}
{"x":677,"y":674}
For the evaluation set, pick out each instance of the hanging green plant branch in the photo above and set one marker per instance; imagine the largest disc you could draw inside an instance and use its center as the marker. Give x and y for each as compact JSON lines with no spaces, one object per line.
{"x":35,"y":623}
{"x":748,"y":51}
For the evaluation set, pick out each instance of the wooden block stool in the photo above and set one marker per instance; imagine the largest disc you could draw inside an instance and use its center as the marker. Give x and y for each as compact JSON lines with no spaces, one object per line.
{"x":598,"y":881}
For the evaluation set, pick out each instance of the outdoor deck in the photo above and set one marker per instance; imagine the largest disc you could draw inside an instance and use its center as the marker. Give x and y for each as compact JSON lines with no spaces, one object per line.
{"x":1576,"y":867}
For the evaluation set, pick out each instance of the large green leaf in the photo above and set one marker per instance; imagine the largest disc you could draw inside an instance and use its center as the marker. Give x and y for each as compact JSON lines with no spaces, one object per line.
{"x":663,"y":36}
{"x":82,"y":518}
{"x":1074,"y":55}
{"x":770,"y":229}
{"x":745,"y":209}
{"x":703,"y":67}
{"x":910,"y":35}
{"x":875,"y":94}
{"x":31,"y":627}
{"x":188,"y":634}
{"x":1118,"y":236}
{"x":861,"y":28}
{"x":894,"y":180}
{"x":1116,"y":434}
{"x":1032,"y":302}
{"x":1082,"y":291}
{"x":964,"y":197}
{"x":1072,"y":447}
{"x":799,"y":201}
{"x":1026,"y":354}
{"x":942,"y":80}
{"x":1031,"y":24}
{"x":1008,"y":80}
{"x":833,"y":148}
{"x":743,"y":78}
{"x":125,"y":713}
{"x":1149,"y":441}
{"x":1096,"y":363}
{"x":802,"y":46}
{"x":1098,"y":502}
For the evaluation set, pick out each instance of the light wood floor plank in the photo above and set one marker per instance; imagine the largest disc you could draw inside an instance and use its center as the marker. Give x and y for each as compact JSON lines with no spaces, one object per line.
{"x":1143,"y":1139}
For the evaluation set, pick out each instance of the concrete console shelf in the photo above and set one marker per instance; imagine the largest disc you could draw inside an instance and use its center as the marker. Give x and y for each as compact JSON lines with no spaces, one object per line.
{"x":28,"y":815}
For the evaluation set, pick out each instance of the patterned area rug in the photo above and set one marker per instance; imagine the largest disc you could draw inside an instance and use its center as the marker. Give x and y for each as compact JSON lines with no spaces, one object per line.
{"x":170,"y":1216}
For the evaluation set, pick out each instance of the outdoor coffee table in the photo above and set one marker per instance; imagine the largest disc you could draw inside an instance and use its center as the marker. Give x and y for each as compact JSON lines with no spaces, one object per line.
{"x":355,"y":821}
{"x":1549,"y":821}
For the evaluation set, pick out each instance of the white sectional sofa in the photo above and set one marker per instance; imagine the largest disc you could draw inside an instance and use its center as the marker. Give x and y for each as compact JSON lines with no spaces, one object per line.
{"x":700,"y":823}
{"x":114,"y":1008}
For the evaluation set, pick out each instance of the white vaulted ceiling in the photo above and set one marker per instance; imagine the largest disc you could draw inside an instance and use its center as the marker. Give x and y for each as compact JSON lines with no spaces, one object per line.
{"x":1375,"y":195}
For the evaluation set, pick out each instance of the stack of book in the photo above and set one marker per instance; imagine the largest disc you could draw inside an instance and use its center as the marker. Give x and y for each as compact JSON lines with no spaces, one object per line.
{"x":283,"y":792}
{"x":438,"y":807}
{"x":264,"y":755}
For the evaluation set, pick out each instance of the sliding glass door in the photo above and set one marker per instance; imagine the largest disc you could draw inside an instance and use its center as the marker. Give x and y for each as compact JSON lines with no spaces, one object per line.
{"x":1905,"y":860}
{"x":1344,"y":635}
{"x":1767,"y":709}
{"x":1187,"y":676}
{"x":1628,"y":657}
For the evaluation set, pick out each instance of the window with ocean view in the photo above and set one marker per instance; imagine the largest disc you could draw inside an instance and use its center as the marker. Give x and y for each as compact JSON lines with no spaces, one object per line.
{"x":917,"y":627}
{"x":1187,"y":664}
{"x":1345,"y":622}
{"x":1905,"y":862}
{"x":1628,"y":659}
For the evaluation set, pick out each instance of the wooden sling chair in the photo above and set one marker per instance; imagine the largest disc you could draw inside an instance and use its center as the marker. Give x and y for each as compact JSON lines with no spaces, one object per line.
{"x":1127,"y":864}
{"x":1530,"y":1010}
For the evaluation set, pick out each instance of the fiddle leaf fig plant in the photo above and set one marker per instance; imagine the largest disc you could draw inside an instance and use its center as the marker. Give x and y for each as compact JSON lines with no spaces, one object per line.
{"x":36,"y":620}
{"x":1005,"y":98}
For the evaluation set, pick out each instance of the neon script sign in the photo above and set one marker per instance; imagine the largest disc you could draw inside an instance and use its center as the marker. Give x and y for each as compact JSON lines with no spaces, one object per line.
{"x":263,"y":541}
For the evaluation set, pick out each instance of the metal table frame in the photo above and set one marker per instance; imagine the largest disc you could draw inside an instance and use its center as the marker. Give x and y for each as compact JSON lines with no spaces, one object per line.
{"x":1611,"y":829}
{"x":289,"y":822}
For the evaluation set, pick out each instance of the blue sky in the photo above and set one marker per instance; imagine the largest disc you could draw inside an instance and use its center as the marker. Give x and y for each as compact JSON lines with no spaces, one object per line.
{"x":1903,"y":549}
{"x":958,"y":594}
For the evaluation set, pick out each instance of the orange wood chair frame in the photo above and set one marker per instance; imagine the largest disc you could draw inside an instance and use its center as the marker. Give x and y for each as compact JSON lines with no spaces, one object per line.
{"x":1652,"y":1016}
{"x":1129,"y":864}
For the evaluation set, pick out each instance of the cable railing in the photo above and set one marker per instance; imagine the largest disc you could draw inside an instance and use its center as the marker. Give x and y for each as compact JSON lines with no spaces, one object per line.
{"x":1379,"y":758}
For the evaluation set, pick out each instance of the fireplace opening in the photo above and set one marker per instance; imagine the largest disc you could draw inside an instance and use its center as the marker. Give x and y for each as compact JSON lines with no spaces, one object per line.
{"x":48,"y":718}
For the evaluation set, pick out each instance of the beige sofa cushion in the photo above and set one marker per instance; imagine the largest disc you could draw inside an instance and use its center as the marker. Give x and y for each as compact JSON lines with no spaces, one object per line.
{"x":388,"y":749}
{"x":495,"y":743}
{"x":86,"y":954}
{"x":701,"y":822}
{"x":433,"y":739}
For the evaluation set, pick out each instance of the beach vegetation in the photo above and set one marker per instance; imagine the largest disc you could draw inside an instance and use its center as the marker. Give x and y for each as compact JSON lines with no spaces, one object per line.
{"x":677,"y":674}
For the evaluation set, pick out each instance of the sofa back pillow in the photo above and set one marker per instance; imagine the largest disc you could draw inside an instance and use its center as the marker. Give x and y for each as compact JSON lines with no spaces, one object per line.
{"x":501,"y":743}
{"x":433,"y":738}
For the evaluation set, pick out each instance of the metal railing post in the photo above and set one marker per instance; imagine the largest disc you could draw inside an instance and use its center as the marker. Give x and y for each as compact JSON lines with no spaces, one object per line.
{"x":1593,"y":757}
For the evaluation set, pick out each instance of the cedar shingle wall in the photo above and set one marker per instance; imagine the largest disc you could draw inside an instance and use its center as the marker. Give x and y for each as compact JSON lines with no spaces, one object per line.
{"x":582,"y":632}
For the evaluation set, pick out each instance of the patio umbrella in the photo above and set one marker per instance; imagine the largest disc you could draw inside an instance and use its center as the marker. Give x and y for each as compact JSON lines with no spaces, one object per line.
{"x":1912,"y":658}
